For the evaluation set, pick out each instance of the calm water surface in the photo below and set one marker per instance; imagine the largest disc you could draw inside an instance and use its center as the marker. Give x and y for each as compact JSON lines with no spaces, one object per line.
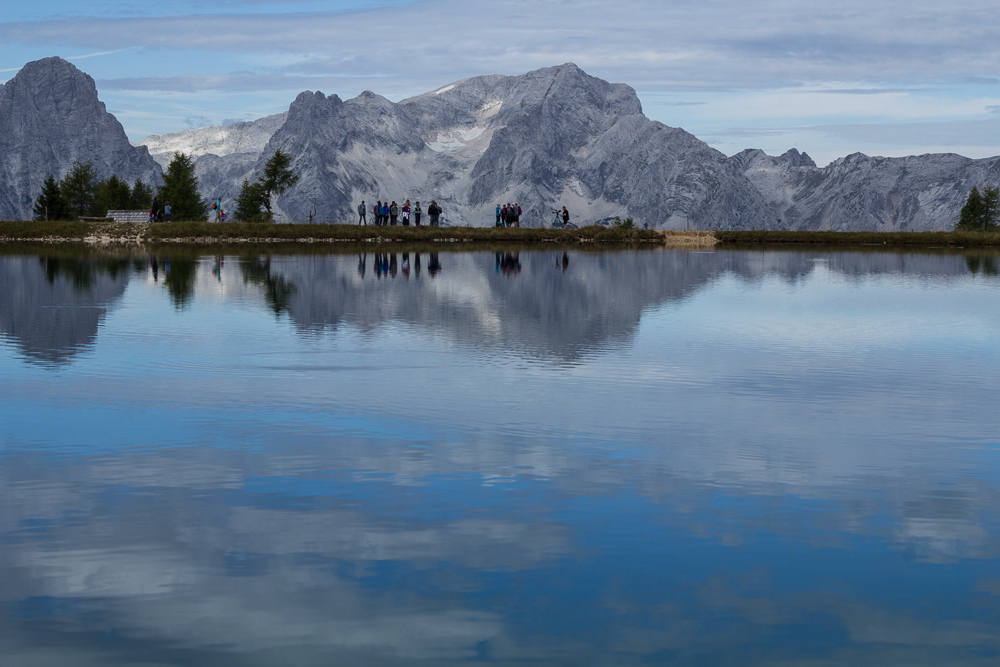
{"x":656,"y":457}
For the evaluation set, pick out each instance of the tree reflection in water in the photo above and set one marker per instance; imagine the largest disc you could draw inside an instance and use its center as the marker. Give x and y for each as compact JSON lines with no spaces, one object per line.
{"x":278,"y":290}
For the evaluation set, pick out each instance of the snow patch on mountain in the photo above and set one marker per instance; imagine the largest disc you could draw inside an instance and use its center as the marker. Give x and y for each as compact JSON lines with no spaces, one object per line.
{"x":458,"y":140}
{"x":490,"y":109}
{"x":220,"y":140}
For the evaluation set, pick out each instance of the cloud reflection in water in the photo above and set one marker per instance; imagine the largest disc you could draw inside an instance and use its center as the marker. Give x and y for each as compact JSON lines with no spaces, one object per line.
{"x":648,"y":457}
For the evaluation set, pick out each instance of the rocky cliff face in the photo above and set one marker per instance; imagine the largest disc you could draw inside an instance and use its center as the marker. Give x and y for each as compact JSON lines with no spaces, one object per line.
{"x":50,"y":116}
{"x":861,"y":193}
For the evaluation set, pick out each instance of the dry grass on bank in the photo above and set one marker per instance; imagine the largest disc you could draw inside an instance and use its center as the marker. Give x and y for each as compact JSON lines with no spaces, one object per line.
{"x":684,"y":239}
{"x":238,"y":233}
{"x":203,"y":232}
{"x":897,"y":239}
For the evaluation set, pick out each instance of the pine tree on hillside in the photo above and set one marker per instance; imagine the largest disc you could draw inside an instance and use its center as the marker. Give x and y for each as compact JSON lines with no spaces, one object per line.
{"x":113,"y":194}
{"x":253,"y":204}
{"x":141,"y":197}
{"x":180,"y":189}
{"x":250,"y":202}
{"x":50,"y":204}
{"x":78,"y":189}
{"x":278,"y":178}
{"x":991,"y":208}
{"x":981,"y":211}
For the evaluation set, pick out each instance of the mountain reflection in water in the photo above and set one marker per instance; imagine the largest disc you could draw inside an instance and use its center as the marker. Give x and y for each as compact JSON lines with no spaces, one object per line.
{"x":386,"y":458}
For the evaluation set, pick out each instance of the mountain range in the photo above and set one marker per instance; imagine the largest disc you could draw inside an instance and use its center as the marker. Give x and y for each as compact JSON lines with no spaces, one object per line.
{"x":550,"y":138}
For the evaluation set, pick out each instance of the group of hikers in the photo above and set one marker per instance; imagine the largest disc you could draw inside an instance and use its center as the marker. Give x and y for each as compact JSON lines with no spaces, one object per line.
{"x":509,"y":215}
{"x":386,"y":213}
{"x":390,"y":213}
{"x":156,"y":214}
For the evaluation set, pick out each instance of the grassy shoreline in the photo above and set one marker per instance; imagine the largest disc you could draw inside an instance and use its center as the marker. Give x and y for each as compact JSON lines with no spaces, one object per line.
{"x":235,"y":233}
{"x":203,"y":233}
{"x":893,"y":239}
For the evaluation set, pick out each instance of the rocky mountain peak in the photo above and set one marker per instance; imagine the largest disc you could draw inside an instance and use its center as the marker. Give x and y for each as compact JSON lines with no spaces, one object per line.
{"x":50,"y":116}
{"x":793,"y":158}
{"x":312,"y":107}
{"x":54,"y":86}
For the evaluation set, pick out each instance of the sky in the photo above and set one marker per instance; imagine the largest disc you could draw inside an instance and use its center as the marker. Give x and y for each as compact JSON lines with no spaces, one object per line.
{"x":828,"y":78}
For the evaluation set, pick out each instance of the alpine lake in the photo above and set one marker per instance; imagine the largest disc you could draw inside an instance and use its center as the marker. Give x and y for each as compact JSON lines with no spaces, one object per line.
{"x":414,"y":456}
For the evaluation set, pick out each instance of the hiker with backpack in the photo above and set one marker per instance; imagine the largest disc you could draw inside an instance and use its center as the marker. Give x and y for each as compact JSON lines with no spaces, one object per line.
{"x":434,"y":211}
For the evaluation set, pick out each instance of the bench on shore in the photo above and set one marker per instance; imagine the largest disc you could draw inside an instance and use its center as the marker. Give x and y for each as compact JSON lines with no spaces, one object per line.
{"x":128,"y":216}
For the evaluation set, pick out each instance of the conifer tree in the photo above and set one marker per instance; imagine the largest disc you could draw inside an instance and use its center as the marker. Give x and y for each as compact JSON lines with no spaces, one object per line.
{"x":78,"y":189}
{"x":991,"y":208}
{"x":180,"y":189}
{"x":253,"y":197}
{"x":249,"y":202}
{"x":142,"y":196}
{"x":50,"y":204}
{"x":278,"y":178}
{"x":981,"y":211}
{"x":113,"y":194}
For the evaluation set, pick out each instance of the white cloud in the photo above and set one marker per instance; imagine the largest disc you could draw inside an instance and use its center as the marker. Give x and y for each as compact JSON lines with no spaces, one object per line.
{"x":647,"y":43}
{"x":800,"y":60}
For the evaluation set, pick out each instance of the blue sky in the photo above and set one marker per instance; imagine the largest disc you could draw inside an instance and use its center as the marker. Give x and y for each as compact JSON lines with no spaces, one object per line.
{"x":884,"y":78}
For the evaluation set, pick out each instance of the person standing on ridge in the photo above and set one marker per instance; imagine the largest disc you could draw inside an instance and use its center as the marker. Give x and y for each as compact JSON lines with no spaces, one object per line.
{"x":362,"y":213}
{"x":166,"y":212}
{"x":565,"y":218}
{"x":154,"y":211}
{"x":393,"y":215}
{"x":378,"y":213}
{"x":499,"y":221}
{"x":416,"y":220}
{"x":406,"y":214}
